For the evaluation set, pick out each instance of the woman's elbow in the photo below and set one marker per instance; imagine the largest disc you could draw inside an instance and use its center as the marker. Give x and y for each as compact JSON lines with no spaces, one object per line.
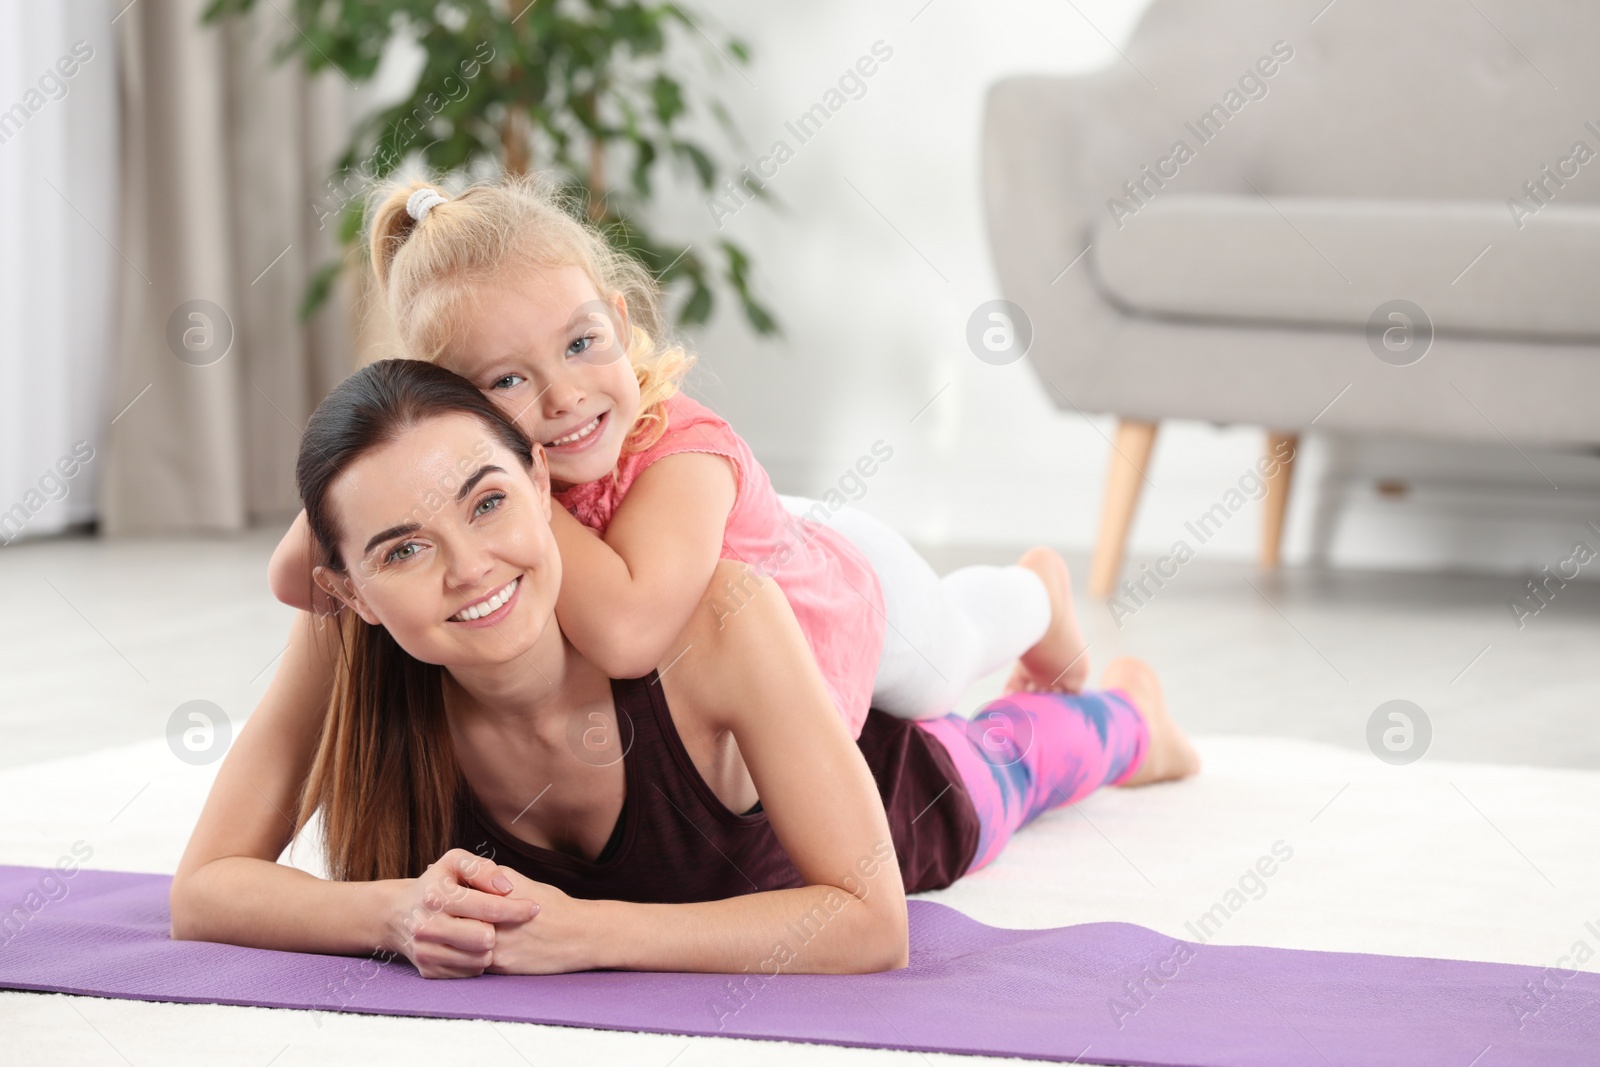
{"x":888,"y":948}
{"x":195,"y":903}
{"x":181,"y":905}
{"x":897,"y":949}
{"x":889,"y":954}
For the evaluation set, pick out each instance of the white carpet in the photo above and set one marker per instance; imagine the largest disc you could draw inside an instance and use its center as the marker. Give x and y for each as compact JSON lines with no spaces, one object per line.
{"x":1468,"y":861}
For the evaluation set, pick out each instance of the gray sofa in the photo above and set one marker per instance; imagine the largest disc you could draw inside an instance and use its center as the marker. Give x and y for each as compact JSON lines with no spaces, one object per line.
{"x":1367,"y":217}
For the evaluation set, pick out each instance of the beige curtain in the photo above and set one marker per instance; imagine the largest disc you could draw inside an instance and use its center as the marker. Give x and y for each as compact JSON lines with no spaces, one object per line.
{"x":224,"y":162}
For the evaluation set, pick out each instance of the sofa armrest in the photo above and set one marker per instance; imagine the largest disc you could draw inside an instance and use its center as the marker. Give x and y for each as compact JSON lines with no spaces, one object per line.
{"x":1050,"y":148}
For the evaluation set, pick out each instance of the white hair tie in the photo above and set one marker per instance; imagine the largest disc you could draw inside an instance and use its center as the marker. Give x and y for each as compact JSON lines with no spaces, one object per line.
{"x":421,"y":202}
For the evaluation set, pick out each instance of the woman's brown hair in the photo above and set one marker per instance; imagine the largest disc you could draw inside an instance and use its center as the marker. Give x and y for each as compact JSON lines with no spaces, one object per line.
{"x":385,"y":774}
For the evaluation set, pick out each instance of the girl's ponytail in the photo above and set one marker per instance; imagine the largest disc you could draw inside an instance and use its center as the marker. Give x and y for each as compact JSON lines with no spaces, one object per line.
{"x":391,"y":224}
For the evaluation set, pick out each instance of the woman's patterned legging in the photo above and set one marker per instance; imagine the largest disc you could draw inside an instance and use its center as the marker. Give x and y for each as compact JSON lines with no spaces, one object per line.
{"x":1026,"y":753}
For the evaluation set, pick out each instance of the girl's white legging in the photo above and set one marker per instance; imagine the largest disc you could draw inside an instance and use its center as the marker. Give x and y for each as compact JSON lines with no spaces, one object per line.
{"x":942,"y":634}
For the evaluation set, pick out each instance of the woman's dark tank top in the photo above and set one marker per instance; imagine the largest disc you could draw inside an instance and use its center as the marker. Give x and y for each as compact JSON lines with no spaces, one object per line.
{"x":676,"y":843}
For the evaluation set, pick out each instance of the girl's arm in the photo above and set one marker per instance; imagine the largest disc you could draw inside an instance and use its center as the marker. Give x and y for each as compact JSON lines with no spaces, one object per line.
{"x":623,"y":599}
{"x":752,"y":673}
{"x":230,"y":888}
{"x":289,"y":572}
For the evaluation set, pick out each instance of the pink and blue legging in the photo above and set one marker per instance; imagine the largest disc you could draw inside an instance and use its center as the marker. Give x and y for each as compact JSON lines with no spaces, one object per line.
{"x":1026,"y":753}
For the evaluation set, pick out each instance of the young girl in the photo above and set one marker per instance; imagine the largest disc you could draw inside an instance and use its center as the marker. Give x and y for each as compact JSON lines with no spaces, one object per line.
{"x":505,"y":287}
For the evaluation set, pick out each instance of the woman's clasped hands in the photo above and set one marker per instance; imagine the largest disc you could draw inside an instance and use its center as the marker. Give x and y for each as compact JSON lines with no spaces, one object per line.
{"x":466,"y":915}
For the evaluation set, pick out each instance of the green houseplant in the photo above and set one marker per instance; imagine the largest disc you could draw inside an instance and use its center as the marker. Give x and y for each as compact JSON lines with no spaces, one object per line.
{"x":565,"y":85}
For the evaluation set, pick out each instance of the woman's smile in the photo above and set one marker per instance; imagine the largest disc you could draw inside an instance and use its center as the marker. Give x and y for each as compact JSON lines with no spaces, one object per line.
{"x":490,"y":609}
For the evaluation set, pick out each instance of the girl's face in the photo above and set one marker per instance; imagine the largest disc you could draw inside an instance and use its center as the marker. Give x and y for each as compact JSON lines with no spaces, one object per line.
{"x":553,"y":355}
{"x":446,"y":542}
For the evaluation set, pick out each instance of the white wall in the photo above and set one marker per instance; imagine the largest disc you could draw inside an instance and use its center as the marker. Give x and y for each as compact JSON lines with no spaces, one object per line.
{"x":874,"y":331}
{"x":875,"y":283}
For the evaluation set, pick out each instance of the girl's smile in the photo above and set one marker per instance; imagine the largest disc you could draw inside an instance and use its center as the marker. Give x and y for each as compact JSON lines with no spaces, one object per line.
{"x":553,"y":355}
{"x":585,"y":437}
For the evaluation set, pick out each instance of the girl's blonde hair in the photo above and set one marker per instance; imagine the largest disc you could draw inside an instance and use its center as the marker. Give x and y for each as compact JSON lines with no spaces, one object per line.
{"x":429,"y":270}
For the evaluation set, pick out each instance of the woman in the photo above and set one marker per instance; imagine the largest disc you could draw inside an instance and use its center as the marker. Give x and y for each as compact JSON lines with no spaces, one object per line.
{"x":461,"y":718}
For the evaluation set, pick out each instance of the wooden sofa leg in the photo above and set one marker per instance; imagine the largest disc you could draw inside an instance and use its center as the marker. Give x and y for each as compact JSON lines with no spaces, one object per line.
{"x":1124,"y":478}
{"x":1276,"y":502}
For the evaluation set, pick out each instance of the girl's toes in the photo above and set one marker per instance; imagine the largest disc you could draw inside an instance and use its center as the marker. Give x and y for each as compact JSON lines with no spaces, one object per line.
{"x":1019,"y":682}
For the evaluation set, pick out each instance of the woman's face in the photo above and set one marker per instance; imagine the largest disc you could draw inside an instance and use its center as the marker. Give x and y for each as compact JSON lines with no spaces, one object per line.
{"x":446,"y":542}
{"x":544,"y":346}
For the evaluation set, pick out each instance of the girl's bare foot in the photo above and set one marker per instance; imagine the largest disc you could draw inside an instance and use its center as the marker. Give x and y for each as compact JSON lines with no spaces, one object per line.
{"x":1060,"y":661}
{"x":1170,"y":755}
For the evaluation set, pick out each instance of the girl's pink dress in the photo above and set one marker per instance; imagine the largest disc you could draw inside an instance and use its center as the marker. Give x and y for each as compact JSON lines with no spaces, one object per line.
{"x":830,"y":585}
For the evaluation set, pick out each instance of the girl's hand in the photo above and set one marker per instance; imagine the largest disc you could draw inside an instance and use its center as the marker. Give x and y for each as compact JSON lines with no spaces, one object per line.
{"x":444,"y":920}
{"x":289,"y":572}
{"x":560,"y":940}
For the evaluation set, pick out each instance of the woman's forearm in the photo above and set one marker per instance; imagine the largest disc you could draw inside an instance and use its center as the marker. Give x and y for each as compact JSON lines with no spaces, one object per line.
{"x":816,"y":929}
{"x":241,"y":900}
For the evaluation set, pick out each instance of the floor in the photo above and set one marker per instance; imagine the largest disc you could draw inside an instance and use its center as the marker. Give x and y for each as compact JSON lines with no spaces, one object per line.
{"x":1312,"y":654}
{"x":1468,"y":852}
{"x":101,"y":642}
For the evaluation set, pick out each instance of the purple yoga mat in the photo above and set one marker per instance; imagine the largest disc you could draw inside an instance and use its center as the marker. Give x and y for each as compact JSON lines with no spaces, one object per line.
{"x":971,"y":988}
